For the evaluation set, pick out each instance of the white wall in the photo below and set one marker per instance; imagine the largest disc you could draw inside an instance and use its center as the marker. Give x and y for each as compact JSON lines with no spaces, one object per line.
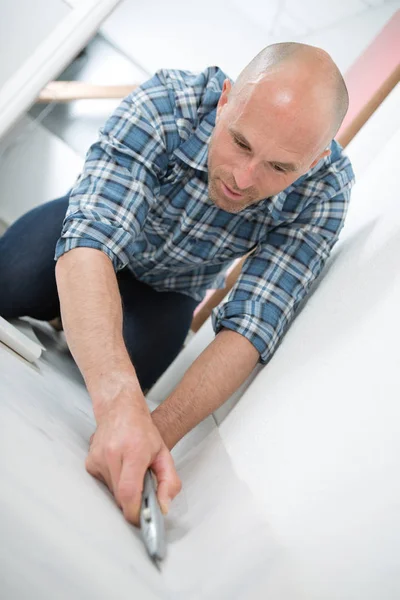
{"x":182,"y":36}
{"x":35,"y":166}
{"x":191,"y":36}
{"x":22,"y":30}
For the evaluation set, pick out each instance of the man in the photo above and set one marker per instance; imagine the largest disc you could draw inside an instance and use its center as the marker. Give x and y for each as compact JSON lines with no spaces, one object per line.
{"x":189,"y":173}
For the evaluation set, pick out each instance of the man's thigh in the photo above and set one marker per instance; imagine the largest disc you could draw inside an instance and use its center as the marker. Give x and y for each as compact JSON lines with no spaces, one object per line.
{"x":155,"y":325}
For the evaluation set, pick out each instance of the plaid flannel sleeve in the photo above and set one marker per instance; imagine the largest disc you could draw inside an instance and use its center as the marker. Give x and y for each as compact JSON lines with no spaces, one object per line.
{"x":110,"y":200}
{"x":278,"y":275}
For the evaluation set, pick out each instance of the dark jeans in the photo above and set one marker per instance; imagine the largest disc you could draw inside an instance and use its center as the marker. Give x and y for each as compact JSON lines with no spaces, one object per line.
{"x":155,"y":324}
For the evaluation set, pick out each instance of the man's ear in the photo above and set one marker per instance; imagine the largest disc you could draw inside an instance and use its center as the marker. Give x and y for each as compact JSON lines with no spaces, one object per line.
{"x":320,"y":157}
{"x":223,"y":99}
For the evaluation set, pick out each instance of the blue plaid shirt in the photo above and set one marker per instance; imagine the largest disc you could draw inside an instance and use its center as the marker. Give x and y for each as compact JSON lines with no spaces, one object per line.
{"x":142,"y":199}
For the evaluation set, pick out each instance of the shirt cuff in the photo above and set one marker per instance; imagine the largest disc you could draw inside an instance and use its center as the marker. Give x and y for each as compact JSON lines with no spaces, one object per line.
{"x":113,"y":241}
{"x":116,"y":247}
{"x":247,"y":317}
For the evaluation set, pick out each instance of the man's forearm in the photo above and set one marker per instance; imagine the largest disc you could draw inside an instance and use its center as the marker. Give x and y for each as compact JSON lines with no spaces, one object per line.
{"x":214,"y":376}
{"x":92,"y":319}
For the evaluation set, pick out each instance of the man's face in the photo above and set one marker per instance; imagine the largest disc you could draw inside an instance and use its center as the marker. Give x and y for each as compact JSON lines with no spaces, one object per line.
{"x":260,"y":145}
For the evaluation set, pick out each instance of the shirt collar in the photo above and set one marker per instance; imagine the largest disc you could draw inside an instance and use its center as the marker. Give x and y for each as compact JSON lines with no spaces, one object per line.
{"x":194,"y":150}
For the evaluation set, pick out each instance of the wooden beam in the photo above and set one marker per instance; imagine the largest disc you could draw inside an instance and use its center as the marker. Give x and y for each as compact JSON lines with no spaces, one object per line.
{"x":67,"y":91}
{"x":202,"y":314}
{"x":353,"y":127}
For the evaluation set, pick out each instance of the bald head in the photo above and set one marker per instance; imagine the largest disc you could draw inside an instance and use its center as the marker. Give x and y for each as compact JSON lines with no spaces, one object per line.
{"x":275,"y":123}
{"x":306,"y":76}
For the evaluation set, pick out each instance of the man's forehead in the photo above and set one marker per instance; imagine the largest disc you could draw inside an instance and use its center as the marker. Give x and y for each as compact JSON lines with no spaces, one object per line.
{"x":295,"y":130}
{"x":259,"y":100}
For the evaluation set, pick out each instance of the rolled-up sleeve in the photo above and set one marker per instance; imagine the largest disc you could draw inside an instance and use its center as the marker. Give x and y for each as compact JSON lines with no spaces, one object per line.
{"x":111,"y":197}
{"x":278,"y":275}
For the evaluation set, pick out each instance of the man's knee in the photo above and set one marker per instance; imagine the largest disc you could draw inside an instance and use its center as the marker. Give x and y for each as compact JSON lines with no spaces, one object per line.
{"x":7,"y":284}
{"x":27,"y":266}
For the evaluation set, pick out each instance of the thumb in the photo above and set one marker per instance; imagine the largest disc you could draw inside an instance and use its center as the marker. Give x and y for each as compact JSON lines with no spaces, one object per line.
{"x":169,"y":483}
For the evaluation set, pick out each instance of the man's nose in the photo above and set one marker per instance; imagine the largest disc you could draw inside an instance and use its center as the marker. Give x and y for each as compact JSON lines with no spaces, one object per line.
{"x":245,"y":175}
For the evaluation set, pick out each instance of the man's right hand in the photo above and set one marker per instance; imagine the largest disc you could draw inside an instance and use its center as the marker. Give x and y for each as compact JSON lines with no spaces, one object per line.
{"x":125,"y":443}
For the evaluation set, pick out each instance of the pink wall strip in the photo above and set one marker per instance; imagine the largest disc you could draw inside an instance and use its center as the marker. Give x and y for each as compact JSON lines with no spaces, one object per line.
{"x":371,"y":70}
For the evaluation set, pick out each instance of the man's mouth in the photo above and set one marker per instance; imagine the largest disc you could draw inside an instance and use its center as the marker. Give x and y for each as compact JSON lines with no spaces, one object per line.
{"x":228,"y":192}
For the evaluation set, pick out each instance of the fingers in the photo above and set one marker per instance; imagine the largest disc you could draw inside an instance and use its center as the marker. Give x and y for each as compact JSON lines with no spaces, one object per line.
{"x":114,"y":463}
{"x":122,"y":468}
{"x":99,"y":469}
{"x":94,"y":470}
{"x":169,"y":483}
{"x":121,"y":472}
{"x":130,"y":487}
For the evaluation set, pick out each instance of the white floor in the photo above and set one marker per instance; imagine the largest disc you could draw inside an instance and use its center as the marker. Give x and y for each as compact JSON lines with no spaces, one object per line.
{"x":61,"y":533}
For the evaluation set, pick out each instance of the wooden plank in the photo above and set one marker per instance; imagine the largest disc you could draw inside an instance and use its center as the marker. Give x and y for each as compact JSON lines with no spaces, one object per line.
{"x":67,"y":91}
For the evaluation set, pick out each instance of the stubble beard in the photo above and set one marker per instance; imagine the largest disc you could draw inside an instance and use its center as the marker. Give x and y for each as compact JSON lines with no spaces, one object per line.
{"x":225,"y":203}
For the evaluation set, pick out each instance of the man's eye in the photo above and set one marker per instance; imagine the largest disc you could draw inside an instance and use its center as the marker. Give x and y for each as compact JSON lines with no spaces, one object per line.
{"x":278,"y":169}
{"x":240,"y":144}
